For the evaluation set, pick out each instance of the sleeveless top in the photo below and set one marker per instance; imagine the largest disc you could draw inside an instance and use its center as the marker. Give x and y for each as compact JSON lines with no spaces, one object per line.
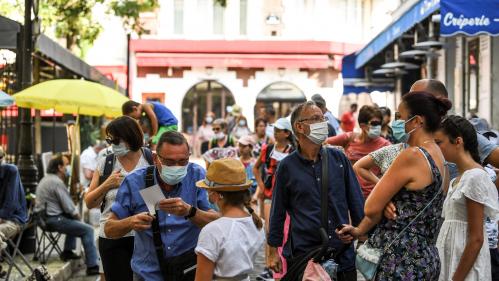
{"x":413,"y":256}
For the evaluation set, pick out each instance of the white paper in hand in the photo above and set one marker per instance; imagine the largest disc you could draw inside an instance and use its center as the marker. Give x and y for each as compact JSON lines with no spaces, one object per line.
{"x":152,"y":195}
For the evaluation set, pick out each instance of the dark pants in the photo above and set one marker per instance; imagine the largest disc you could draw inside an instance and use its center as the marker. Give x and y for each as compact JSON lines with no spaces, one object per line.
{"x":494,"y":261}
{"x":116,"y":255}
{"x":342,"y":276}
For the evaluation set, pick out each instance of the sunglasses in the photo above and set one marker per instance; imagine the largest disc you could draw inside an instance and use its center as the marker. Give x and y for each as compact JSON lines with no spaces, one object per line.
{"x":375,"y":123}
{"x":113,"y":141}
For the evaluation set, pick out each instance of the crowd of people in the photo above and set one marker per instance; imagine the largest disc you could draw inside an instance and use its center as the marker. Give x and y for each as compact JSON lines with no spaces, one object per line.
{"x":417,"y":198}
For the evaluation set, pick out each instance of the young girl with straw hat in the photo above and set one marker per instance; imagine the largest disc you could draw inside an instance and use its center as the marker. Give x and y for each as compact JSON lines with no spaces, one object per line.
{"x":227,"y":246}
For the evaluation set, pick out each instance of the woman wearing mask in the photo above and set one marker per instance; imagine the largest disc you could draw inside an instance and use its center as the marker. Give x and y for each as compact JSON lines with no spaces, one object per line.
{"x":471,"y":198}
{"x":228,"y":246}
{"x":359,"y":145}
{"x":414,"y":184}
{"x":241,"y":128}
{"x":205,"y":133}
{"x":246,"y":145}
{"x":269,"y":158}
{"x":221,"y":138}
{"x":260,"y":136}
{"x":386,"y":130}
{"x":126,"y":139}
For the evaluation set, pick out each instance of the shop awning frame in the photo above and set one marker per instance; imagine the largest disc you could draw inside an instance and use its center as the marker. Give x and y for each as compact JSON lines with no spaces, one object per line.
{"x":414,"y":15}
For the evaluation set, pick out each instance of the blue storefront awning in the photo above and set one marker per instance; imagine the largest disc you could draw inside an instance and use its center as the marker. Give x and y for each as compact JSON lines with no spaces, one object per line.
{"x":469,"y":17}
{"x":354,"y":77}
{"x":415,"y":14}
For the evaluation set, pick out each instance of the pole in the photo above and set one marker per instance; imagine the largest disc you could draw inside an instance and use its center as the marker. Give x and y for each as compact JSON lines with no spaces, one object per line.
{"x":128,"y":65}
{"x":26,"y":163}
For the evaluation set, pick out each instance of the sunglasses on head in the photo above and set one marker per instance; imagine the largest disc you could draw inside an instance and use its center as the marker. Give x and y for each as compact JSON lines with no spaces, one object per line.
{"x":113,"y":141}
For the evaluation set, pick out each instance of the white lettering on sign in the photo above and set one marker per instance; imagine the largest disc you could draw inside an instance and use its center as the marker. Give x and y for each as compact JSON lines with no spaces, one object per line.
{"x":461,"y":21}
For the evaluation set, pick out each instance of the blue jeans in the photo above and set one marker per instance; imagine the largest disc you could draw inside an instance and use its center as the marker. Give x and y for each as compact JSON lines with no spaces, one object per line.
{"x":73,"y":229}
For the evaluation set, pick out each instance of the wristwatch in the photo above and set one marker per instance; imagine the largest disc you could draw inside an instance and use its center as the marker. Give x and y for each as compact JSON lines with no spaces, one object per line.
{"x":192,"y":213}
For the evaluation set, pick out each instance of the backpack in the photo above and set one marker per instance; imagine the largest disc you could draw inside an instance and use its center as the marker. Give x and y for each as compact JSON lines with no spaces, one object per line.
{"x":109,"y":165}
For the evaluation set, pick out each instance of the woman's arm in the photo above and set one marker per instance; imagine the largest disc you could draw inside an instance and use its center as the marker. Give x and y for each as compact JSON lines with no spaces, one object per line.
{"x":339,"y":140}
{"x":474,"y":242}
{"x":363,"y":168}
{"x":258,"y":177}
{"x":96,"y":193}
{"x":205,"y":269}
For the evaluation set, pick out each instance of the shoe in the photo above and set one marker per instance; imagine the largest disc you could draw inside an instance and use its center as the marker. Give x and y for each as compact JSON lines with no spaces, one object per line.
{"x":265,"y":275}
{"x":69,"y":255}
{"x":94,"y":270}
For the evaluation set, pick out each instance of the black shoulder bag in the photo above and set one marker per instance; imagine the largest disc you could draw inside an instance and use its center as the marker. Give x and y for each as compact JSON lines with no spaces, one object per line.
{"x":324,"y":252}
{"x":178,"y":268}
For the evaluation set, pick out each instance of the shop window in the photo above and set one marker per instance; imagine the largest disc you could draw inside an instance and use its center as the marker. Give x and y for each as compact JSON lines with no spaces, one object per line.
{"x":178,"y":16}
{"x":158,"y":97}
{"x":472,"y":77}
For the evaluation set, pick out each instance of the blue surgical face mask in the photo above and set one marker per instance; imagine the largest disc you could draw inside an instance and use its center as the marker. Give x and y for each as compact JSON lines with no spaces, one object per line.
{"x":68,"y":171}
{"x":374,"y":132}
{"x":120,"y":149}
{"x":399,"y":133}
{"x":173,"y":174}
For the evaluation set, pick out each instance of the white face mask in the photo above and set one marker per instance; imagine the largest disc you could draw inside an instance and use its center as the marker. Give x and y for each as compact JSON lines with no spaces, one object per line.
{"x":120,"y":149}
{"x":318,"y":132}
{"x":219,"y":135}
{"x":277,"y":155}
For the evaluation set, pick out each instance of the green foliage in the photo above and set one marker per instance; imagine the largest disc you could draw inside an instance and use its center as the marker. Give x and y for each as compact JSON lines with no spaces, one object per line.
{"x":129,"y":11}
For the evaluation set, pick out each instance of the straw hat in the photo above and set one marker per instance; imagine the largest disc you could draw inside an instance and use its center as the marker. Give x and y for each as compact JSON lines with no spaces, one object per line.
{"x":226,"y":174}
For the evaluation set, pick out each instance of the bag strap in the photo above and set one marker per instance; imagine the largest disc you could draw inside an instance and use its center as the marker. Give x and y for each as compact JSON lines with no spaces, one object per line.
{"x":149,"y":177}
{"x":420,"y":213}
{"x":148,"y":155}
{"x":158,"y":246}
{"x":108,"y":169}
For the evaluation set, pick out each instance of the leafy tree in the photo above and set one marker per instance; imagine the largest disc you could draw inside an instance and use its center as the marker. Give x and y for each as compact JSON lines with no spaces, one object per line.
{"x":129,"y":11}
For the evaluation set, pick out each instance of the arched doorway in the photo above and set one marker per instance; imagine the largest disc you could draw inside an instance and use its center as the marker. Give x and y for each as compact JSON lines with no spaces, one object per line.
{"x":206,"y":96}
{"x":282,"y":96}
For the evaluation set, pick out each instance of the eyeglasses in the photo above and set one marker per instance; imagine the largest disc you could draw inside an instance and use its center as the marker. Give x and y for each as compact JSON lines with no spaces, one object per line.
{"x":172,"y":162}
{"x":375,"y":123}
{"x":315,"y":119}
{"x":215,"y":129}
{"x":114,"y":141}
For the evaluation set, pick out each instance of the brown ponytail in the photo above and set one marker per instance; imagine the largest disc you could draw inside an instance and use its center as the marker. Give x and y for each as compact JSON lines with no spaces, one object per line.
{"x":256,"y":219}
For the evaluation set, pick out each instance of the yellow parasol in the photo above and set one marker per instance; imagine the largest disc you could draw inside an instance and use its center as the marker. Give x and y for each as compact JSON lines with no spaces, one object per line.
{"x":72,"y":96}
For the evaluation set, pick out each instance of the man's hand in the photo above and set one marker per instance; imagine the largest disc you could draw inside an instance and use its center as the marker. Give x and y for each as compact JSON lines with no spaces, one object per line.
{"x":114,"y":180}
{"x":390,"y":211}
{"x":175,"y":206}
{"x":274,"y":260}
{"x":348,"y":233}
{"x":140,"y":222}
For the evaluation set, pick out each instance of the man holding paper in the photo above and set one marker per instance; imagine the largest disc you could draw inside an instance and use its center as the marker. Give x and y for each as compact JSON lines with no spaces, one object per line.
{"x":167,"y":191}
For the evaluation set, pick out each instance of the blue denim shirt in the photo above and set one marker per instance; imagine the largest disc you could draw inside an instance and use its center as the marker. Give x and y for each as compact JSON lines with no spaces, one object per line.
{"x":12,"y":198}
{"x":485,"y":147}
{"x":178,"y":234}
{"x":298,"y":192}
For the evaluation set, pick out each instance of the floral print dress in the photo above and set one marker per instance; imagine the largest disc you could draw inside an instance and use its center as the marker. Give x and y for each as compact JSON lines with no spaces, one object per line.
{"x":412,"y":256}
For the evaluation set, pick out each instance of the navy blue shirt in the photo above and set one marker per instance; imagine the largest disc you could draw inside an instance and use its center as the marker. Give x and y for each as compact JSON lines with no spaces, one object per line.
{"x":12,"y":199}
{"x":298,"y":192}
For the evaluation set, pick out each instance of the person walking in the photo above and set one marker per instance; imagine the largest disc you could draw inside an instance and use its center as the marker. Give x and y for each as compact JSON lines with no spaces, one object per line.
{"x":414,"y":184}
{"x":359,"y":145}
{"x":471,"y":197}
{"x":125,"y":136}
{"x":227,"y":247}
{"x":241,"y":128}
{"x":246,"y":145}
{"x":270,"y":157}
{"x":260,"y":136}
{"x":167,"y":250}
{"x":297,"y":192}
{"x":222,"y":138}
{"x":348,"y":119}
{"x":204,"y":134}
{"x":52,"y":198}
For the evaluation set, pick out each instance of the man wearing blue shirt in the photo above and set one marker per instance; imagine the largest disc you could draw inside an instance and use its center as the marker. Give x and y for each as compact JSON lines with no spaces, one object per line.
{"x":180,"y":216}
{"x":298,"y":192}
{"x":13,"y":213}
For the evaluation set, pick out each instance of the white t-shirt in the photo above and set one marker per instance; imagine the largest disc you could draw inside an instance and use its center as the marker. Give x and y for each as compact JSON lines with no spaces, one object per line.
{"x":232,"y":244}
{"x":88,"y":160}
{"x":111,"y":194}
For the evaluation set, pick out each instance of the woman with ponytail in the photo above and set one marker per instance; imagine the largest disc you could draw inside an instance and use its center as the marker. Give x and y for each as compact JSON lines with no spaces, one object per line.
{"x":228,"y":246}
{"x":471,"y":198}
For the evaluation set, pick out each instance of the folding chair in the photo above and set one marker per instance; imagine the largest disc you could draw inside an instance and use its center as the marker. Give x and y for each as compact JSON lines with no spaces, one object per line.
{"x":10,"y":256}
{"x":47,"y":240}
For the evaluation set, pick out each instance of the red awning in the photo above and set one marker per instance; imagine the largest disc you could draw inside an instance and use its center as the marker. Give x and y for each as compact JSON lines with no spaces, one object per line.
{"x":233,"y":60}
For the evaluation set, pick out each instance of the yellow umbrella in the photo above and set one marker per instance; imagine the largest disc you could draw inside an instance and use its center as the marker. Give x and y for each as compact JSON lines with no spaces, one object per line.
{"x":72,"y":96}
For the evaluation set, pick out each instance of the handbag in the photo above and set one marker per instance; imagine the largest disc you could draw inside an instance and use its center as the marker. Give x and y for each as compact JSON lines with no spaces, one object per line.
{"x":367,"y":258}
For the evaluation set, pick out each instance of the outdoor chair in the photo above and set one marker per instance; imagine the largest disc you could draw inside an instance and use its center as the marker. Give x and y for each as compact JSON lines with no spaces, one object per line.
{"x":47,"y":240}
{"x":10,"y":254}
